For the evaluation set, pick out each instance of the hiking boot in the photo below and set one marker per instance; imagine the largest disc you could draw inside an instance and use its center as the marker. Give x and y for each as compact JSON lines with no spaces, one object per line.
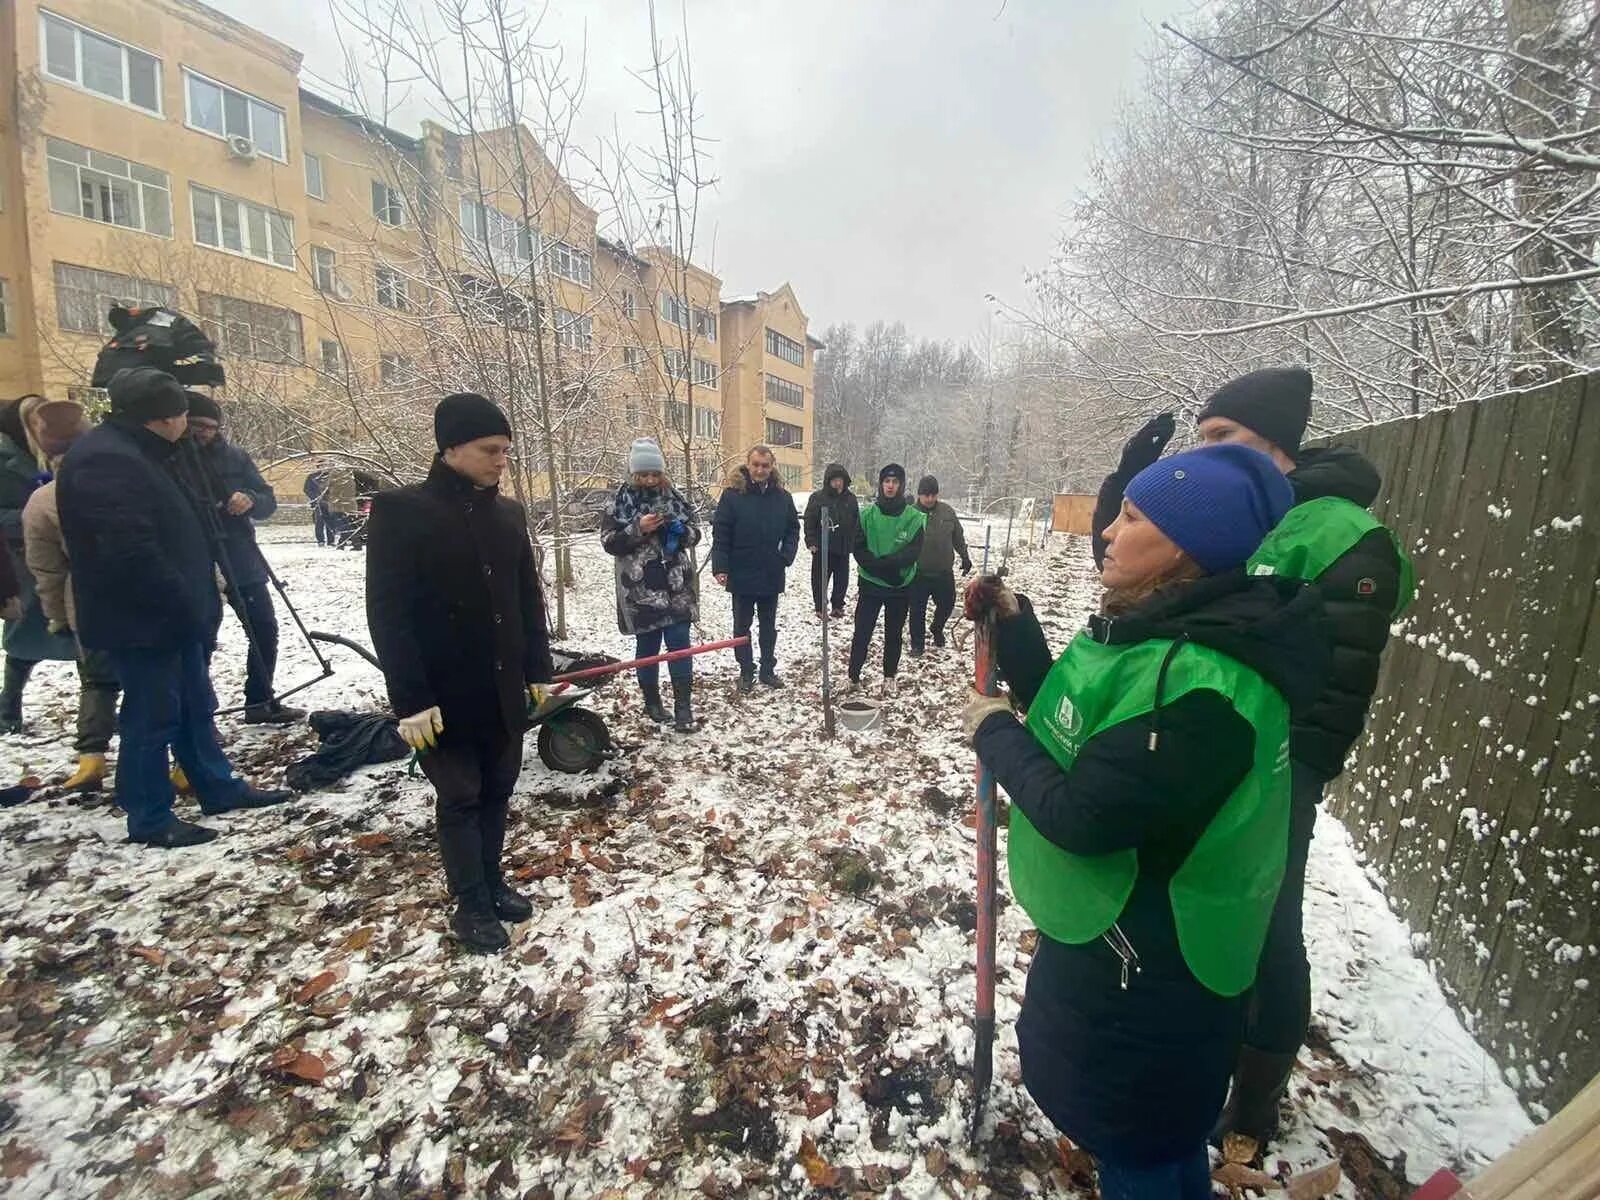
{"x":747,"y":683}
{"x":89,"y":776}
{"x":653,"y":708}
{"x":837,"y":613}
{"x":251,"y":797}
{"x":273,"y":714}
{"x":769,"y":678}
{"x":682,"y":709}
{"x":822,"y":614}
{"x":176,"y":833}
{"x":15,"y":679}
{"x":509,"y":905}
{"x":891,"y":687}
{"x":915,"y":651}
{"x":851,"y":688}
{"x":476,"y":927}
{"x":938,"y":638}
{"x":1259,"y":1081}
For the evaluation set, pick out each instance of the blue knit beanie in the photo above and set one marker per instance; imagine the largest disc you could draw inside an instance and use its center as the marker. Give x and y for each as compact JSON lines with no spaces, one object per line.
{"x":1216,"y":503}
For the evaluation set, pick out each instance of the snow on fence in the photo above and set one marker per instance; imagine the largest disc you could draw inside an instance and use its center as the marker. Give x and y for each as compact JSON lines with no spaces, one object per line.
{"x":1475,"y":791}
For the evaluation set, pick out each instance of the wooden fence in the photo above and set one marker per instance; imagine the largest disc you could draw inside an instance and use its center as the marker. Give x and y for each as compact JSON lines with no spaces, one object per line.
{"x":1475,"y":790}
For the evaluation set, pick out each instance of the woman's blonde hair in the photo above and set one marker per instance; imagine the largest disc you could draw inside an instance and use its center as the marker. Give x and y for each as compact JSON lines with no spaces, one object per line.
{"x":634,"y":478}
{"x":1121,"y":600}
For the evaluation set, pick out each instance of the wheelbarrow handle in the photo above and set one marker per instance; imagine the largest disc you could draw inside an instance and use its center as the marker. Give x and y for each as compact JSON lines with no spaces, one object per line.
{"x":562,"y":682}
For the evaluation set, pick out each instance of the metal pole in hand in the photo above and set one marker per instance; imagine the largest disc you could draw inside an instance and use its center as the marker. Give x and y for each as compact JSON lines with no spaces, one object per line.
{"x":827,"y":689}
{"x":983,"y":1016}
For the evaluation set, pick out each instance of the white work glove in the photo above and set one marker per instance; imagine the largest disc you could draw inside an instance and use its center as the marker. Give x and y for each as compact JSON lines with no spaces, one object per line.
{"x":978,"y":709}
{"x":538,"y":693}
{"x":421,"y":730}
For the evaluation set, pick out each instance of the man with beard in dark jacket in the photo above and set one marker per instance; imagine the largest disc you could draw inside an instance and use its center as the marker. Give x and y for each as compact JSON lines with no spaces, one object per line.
{"x":754,"y":536}
{"x":1365,"y":580}
{"x":225,"y":478}
{"x":835,"y":499}
{"x":458,"y":622}
{"x":942,"y":540}
{"x":146,"y":594}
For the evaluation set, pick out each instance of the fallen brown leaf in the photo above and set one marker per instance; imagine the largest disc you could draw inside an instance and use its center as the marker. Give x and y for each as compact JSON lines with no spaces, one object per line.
{"x":818,"y":1170}
{"x":361,"y":938}
{"x":1314,"y":1184}
{"x":301,"y":1064}
{"x":151,"y":954}
{"x":374,"y":841}
{"x":1236,"y":1176}
{"x":315,"y":986}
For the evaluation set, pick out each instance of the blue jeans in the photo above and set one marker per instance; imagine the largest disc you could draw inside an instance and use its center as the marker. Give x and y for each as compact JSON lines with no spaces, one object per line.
{"x":676,"y":638}
{"x":167,"y":701}
{"x":1185,"y":1179}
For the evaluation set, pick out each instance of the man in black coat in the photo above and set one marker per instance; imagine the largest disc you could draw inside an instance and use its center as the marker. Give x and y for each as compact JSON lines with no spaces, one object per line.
{"x":146,"y":594}
{"x":458,"y":622}
{"x":835,"y":499}
{"x":224,"y":478}
{"x":754,"y":537}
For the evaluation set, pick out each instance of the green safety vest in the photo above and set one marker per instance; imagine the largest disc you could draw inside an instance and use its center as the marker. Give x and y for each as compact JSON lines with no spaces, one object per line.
{"x":886,"y":534}
{"x":1314,"y":535}
{"x":1223,"y":894}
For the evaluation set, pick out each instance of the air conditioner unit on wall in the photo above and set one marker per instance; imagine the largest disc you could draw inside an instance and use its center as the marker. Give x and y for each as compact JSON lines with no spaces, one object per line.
{"x":240,"y":146}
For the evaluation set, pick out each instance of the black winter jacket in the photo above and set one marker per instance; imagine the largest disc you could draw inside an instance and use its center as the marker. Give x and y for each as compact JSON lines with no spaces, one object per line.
{"x":1138,"y":1075}
{"x":845,"y":509}
{"x":142,"y":571}
{"x":454,"y":604}
{"x":215,"y":472}
{"x":755,"y":535}
{"x":1359,"y":591}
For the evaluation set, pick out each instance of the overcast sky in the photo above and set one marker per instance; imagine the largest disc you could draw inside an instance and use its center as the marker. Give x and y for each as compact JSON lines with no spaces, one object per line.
{"x":891,"y":159}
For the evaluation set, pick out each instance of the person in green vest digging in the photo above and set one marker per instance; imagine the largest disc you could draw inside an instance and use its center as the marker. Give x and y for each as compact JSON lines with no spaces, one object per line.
{"x":1149,"y":788}
{"x":887,"y":545}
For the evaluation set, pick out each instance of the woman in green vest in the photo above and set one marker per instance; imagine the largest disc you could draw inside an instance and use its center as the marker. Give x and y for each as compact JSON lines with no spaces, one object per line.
{"x":1149,"y":787}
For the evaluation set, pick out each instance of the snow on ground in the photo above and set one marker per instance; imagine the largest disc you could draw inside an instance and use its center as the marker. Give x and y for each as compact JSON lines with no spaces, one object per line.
{"x":749,"y":972}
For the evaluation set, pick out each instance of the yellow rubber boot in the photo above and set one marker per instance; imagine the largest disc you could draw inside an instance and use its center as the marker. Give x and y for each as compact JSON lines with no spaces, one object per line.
{"x":180,"y":781}
{"x":91,"y":773}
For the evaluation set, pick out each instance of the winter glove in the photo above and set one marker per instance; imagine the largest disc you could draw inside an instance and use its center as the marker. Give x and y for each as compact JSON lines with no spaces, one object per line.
{"x":979,"y":708}
{"x":672,"y":536}
{"x":966,"y":566}
{"x":1145,"y":447}
{"x":538,"y":693}
{"x":988,"y":595}
{"x":421,"y":730}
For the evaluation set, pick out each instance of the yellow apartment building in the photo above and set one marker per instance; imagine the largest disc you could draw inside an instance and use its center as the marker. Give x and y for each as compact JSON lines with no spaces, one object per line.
{"x":158,"y":151}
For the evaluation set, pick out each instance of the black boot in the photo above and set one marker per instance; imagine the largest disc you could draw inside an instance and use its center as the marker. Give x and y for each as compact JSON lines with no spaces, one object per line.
{"x":747,"y":681}
{"x":509,"y":905}
{"x":176,"y":833}
{"x":653,"y":708}
{"x":475,"y":925}
{"x":682,"y":710}
{"x":273,"y":714}
{"x":17,"y":671}
{"x":1259,"y":1081}
{"x":769,"y":677}
{"x":251,"y":797}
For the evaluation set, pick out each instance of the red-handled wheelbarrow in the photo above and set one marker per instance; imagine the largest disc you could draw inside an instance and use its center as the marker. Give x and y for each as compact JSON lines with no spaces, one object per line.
{"x":571,"y":739}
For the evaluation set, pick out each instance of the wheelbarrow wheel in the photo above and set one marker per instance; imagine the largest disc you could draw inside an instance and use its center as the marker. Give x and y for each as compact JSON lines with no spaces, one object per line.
{"x":574,"y":741}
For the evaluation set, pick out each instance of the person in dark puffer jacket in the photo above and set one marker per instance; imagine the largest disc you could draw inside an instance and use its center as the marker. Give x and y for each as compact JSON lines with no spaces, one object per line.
{"x":836,"y":499}
{"x":755,"y":535}
{"x":1365,"y":580}
{"x":1150,"y":806}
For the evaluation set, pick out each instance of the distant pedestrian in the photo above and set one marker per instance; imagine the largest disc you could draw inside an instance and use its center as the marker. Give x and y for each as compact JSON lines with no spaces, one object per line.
{"x":755,"y":535}
{"x":649,"y":528}
{"x":53,"y":426}
{"x":835,"y":500}
{"x":887,"y":547}
{"x":942,"y":541}
{"x":457,"y":617}
{"x":316,"y":492}
{"x":146,"y":593}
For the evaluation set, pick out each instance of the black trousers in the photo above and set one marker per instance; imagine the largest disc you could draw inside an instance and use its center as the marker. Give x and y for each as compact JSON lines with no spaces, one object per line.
{"x":835,"y":567}
{"x":1279,"y":1007}
{"x":745,"y":611}
{"x":252,"y":603}
{"x":473,"y":779}
{"x":941,"y":589}
{"x":868,"y":605}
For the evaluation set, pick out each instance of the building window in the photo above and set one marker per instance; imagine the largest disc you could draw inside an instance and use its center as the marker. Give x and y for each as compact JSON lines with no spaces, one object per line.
{"x":781,"y":391}
{"x":84,"y":296}
{"x":394,"y":369}
{"x":705,"y":324}
{"x":225,"y":112}
{"x":574,"y":331}
{"x":674,"y":364}
{"x":105,"y":188}
{"x":322,"y":269}
{"x":794,"y":477}
{"x":98,"y":64}
{"x":391,"y":287}
{"x":781,"y":433}
{"x":387,"y":204}
{"x":674,"y":311}
{"x":571,"y":263}
{"x":505,"y":239}
{"x":239,"y":227}
{"x":630,"y":304}
{"x":246,"y":329}
{"x":708,"y":424}
{"x":785,"y":348}
{"x":675,"y":413}
{"x":705,"y":373}
{"x":5,"y":309}
{"x":332,"y":357}
{"x":633,"y":359}
{"x":314,"y":177}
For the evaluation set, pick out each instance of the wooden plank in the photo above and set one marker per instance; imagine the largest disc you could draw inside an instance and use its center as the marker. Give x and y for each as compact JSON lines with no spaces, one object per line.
{"x":1567,"y":1137}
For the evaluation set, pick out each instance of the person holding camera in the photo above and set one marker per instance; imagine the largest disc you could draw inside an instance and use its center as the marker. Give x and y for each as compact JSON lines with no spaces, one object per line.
{"x":649,"y":529}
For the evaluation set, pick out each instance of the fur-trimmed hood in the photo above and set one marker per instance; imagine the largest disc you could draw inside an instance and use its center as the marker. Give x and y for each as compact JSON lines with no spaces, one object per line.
{"x":739,"y":480}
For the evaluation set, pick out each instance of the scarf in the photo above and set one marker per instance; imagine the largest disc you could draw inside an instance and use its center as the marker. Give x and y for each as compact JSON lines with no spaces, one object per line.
{"x":631,"y":502}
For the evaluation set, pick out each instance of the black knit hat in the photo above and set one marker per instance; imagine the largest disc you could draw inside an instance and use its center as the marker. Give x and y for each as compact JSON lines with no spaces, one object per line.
{"x":466,"y":417}
{"x":1274,"y":402}
{"x":146,"y":394}
{"x":892,"y":471}
{"x":927,"y":486}
{"x":203,"y":406}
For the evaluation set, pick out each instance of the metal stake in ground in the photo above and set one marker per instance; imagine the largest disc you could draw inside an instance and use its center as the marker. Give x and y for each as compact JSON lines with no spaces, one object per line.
{"x":822,"y":564}
{"x":983,"y":1016}
{"x":985,"y":569}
